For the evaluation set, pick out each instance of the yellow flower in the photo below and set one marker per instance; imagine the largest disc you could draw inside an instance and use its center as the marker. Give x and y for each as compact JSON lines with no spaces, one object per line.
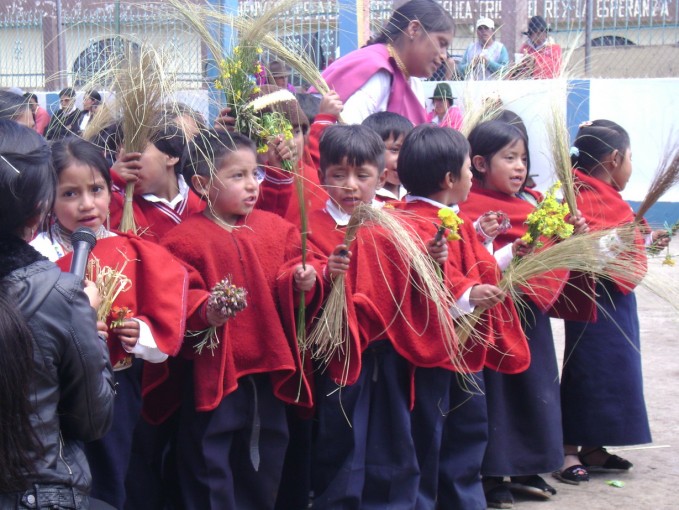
{"x":450,"y":221}
{"x":259,"y":50}
{"x":218,"y":85}
{"x":262,"y":149}
{"x":527,"y":238}
{"x":256,"y":90}
{"x":668,"y":261}
{"x":236,"y":49}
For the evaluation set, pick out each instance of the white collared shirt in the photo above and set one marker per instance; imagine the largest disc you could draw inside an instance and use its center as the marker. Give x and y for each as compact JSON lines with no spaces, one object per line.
{"x":182,"y":195}
{"x":463,"y":305}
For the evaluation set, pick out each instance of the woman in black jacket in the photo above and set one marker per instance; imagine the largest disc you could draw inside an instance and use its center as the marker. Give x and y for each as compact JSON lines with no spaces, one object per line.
{"x":55,"y":377}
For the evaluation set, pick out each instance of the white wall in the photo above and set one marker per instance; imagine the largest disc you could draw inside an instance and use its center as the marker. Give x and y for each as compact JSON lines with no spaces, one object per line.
{"x":647,"y":108}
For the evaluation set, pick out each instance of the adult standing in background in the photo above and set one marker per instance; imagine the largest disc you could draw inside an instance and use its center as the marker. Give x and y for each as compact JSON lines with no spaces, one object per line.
{"x":91,"y":102}
{"x":385,"y":76}
{"x":278,"y":74}
{"x":485,"y":58}
{"x":40,"y":115}
{"x":541,"y":56}
{"x":65,"y":121}
{"x":445,"y":114}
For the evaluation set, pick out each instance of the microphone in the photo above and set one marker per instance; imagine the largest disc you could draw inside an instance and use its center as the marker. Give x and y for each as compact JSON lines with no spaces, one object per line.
{"x":82,"y":240}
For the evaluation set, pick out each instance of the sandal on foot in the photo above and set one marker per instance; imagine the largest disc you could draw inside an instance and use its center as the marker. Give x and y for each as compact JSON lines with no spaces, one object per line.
{"x":572,"y":475}
{"x":499,"y":497}
{"x":531,"y":486}
{"x":612,"y":462}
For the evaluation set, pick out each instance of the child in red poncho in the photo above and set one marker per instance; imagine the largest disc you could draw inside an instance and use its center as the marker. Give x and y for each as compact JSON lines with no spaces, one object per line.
{"x":162,"y":198}
{"x":602,"y":353}
{"x":523,"y":409}
{"x":450,"y":424}
{"x":150,"y":312}
{"x":233,"y":431}
{"x":364,"y":455}
{"x":393,"y":129}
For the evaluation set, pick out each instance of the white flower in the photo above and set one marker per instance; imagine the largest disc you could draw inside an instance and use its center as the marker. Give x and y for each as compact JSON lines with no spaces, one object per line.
{"x":280,"y":96}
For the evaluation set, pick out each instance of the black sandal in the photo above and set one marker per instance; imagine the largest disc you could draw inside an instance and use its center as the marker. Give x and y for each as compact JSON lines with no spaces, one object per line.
{"x":533,"y":485}
{"x":612,"y":463}
{"x":572,"y":475}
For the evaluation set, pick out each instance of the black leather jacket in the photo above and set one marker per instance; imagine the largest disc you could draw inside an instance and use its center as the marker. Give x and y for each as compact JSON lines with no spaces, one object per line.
{"x":72,"y":392}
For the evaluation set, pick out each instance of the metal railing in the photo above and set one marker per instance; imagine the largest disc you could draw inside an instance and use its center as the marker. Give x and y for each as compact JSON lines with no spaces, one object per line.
{"x":629,"y":38}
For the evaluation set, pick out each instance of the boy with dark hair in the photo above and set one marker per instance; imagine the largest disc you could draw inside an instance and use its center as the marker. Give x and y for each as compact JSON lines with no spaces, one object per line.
{"x":434,"y":165}
{"x":393,"y":129}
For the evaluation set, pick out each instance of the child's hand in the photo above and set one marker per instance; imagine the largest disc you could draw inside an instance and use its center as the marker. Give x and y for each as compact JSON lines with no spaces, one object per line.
{"x":438,"y":250}
{"x":214,"y":318}
{"x":486,"y":296}
{"x":127,"y":166}
{"x":92,"y":293}
{"x":489,"y":225}
{"x":579,"y":224}
{"x":660,"y":238}
{"x":102,"y":329}
{"x":281,"y":150}
{"x":305,"y":278}
{"x":331,"y":104}
{"x":521,"y":248}
{"x":128,"y":333}
{"x":338,"y":261}
{"x":224,"y":121}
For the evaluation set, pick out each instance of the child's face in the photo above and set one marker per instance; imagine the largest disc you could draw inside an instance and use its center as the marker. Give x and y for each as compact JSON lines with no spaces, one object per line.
{"x":393,"y":147}
{"x":82,"y":198}
{"x":157,"y":172}
{"x":461,"y":187}
{"x":507,"y":170}
{"x":233,"y":190}
{"x":298,"y":138}
{"x":623,"y":171}
{"x":349,"y":186}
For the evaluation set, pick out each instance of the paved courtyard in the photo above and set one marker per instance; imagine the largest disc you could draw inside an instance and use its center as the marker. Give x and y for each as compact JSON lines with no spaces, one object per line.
{"x":654,"y":482}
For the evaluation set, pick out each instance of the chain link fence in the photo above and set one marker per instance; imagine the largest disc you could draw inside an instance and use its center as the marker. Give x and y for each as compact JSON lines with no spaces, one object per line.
{"x":629,"y":38}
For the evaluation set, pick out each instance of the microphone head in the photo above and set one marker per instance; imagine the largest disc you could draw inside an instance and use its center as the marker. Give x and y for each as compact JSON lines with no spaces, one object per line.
{"x":84,"y":234}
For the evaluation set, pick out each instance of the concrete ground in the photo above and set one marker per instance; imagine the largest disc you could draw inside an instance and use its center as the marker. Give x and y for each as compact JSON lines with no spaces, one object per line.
{"x":654,"y":481}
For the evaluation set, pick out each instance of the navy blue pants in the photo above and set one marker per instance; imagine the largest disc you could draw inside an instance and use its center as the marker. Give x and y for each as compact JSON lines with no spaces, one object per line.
{"x":109,"y":457}
{"x":296,"y":480}
{"x":364,"y":456}
{"x":432,"y":395}
{"x":465,"y":437}
{"x":215,"y":449}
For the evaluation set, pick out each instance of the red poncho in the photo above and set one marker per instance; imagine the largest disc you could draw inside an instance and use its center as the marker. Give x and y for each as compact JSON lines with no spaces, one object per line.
{"x":153,"y":219}
{"x":502,"y":344}
{"x":158,"y":294}
{"x":604,"y":208}
{"x":259,"y":255}
{"x":544,"y":290}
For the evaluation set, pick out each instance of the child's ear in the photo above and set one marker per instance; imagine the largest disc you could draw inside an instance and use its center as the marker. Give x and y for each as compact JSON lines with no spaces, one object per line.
{"x":448,"y":181}
{"x":172,"y":162}
{"x":479,"y":163}
{"x":381,"y":179}
{"x":200,"y":184}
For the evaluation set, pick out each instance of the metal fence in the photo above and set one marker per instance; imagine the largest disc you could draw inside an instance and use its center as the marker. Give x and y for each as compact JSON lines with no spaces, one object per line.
{"x":22,"y":55}
{"x":630,"y":38}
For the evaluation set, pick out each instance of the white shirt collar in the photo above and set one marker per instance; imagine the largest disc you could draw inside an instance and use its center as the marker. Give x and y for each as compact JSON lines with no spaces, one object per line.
{"x":341,"y":217}
{"x":383,"y":192}
{"x":415,"y":198}
{"x":182,"y":195}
